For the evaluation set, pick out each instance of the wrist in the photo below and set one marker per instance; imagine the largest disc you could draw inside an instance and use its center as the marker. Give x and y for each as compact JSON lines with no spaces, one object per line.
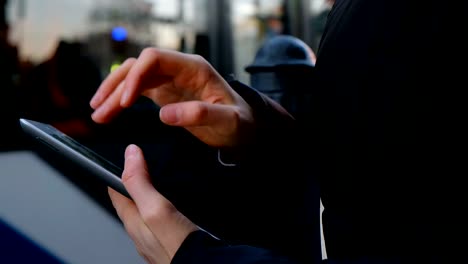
{"x":176,"y":230}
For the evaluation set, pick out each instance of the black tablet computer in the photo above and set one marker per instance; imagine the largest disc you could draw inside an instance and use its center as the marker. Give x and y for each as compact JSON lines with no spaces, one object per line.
{"x":74,"y":151}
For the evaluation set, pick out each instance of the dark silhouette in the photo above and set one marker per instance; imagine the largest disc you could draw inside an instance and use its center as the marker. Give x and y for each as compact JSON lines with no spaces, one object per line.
{"x":9,"y":69}
{"x":58,"y":90}
{"x":280,"y":68}
{"x":319,"y":21}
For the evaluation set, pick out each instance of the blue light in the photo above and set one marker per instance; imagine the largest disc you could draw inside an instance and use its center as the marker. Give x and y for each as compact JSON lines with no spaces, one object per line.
{"x":119,"y":34}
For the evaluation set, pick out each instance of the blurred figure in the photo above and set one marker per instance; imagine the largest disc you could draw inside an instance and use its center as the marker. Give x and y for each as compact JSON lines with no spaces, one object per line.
{"x":9,"y":134}
{"x":280,"y":68}
{"x":274,"y":27}
{"x":320,"y":20}
{"x":58,"y":90}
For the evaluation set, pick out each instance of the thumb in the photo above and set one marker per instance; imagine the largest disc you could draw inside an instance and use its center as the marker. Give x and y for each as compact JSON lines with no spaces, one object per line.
{"x":136,"y":180}
{"x":167,"y":224}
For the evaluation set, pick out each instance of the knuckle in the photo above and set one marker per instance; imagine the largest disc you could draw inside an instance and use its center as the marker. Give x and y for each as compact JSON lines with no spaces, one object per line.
{"x":130,"y":60}
{"x":127,"y":175}
{"x":200,"y":72}
{"x":198,"y":58}
{"x":200,"y":112}
{"x":234,"y":120}
{"x":202,"y":64}
{"x":149,"y":52}
{"x":158,"y":213}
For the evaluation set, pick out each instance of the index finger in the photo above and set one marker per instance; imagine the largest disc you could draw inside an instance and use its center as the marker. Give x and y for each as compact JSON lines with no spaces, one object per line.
{"x":164,"y":63}
{"x":111,"y":82}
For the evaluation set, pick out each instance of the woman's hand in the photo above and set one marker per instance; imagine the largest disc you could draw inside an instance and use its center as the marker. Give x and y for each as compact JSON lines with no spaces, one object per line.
{"x":153,"y":223}
{"x":191,"y":93}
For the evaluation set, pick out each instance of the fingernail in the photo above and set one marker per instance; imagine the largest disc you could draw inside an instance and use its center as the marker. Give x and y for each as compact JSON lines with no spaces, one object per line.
{"x":125,"y":98}
{"x":97,"y":112}
{"x":170,"y":114}
{"x":94,"y":101}
{"x":131,"y":151}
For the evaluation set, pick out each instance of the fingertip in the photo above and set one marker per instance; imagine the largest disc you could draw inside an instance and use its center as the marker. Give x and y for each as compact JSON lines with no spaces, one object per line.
{"x":130,"y":89}
{"x":134,"y":163}
{"x":98,"y":97}
{"x":95,"y":101}
{"x":170,"y":114}
{"x":129,"y":94}
{"x":132,"y":150}
{"x":111,"y":192}
{"x":125,"y":101}
{"x":112,"y":195}
{"x":97,"y":117}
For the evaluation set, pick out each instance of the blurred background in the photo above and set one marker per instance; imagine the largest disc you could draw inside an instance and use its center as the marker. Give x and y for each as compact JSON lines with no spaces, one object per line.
{"x":226,"y":32}
{"x":53,"y":56}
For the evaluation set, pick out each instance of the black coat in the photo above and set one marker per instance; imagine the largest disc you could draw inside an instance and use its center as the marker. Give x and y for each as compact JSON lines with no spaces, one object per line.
{"x":390,"y":110}
{"x":387,"y":138}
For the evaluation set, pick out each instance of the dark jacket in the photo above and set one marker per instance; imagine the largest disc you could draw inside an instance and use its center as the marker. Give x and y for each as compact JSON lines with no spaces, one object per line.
{"x":388,"y":137}
{"x":389,"y":110}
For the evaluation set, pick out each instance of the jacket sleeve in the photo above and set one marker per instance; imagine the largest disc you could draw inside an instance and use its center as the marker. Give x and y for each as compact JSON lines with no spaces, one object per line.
{"x":272,"y":178}
{"x":200,"y":247}
{"x":283,"y":179}
{"x":274,"y":126}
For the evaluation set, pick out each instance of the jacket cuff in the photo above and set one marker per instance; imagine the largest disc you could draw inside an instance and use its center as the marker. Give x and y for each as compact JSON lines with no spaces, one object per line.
{"x":194,"y":246}
{"x":272,"y":122}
